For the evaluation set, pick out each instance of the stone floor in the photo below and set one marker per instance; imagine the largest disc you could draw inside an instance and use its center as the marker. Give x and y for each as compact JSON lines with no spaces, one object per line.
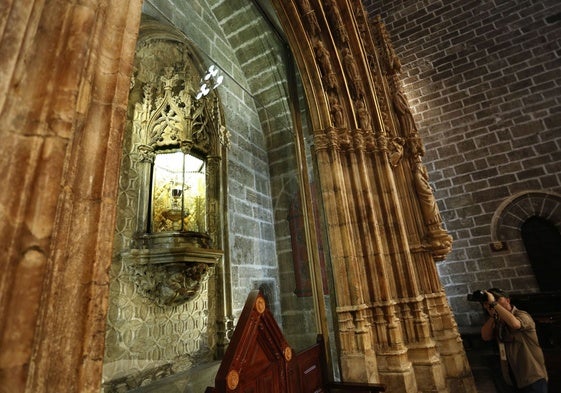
{"x":194,"y":381}
{"x":483,"y":362}
{"x":487,"y":377}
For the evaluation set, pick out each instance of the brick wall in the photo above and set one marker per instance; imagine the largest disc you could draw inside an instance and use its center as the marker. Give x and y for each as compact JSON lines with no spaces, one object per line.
{"x":483,"y":79}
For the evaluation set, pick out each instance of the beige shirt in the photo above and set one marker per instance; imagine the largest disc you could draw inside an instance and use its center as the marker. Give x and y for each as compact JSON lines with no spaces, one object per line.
{"x":523,"y":351}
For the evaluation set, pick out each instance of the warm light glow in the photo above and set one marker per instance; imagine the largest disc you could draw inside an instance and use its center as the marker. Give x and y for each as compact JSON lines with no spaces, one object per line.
{"x":178,"y":193}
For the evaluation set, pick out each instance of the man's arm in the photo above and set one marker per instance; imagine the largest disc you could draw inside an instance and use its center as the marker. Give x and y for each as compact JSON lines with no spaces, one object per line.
{"x":503,"y":313}
{"x":508,"y":317}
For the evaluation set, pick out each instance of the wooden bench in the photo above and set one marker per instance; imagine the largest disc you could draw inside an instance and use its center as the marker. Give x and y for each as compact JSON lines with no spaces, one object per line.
{"x":259,"y":360}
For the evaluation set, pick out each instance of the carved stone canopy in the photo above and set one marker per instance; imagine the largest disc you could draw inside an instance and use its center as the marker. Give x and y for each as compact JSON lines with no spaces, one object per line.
{"x":169,"y":113}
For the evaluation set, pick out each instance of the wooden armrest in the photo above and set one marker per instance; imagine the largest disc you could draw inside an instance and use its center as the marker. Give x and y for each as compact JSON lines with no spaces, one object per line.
{"x":357,"y":387}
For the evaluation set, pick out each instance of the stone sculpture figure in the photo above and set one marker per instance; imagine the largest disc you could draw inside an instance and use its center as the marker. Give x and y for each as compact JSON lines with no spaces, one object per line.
{"x":352,"y":72}
{"x":363,"y":115}
{"x":324,"y":60}
{"x":336,"y":111}
{"x":396,"y":151}
{"x":424,"y":190}
{"x":337,"y":21}
{"x":310,"y":16}
{"x":404,"y":115}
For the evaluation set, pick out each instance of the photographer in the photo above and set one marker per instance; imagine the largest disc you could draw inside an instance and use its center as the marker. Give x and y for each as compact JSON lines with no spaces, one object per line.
{"x":522,"y":360}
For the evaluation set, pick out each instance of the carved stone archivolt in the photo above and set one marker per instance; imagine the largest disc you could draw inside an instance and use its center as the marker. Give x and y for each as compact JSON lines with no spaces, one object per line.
{"x":385,"y":232}
{"x":170,"y":116}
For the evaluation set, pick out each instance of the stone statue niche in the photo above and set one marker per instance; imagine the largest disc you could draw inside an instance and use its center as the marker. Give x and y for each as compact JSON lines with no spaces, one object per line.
{"x":166,"y":298}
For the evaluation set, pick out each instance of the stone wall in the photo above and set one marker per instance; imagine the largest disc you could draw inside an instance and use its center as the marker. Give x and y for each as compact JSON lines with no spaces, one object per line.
{"x":146,"y":342}
{"x":263,"y":57}
{"x":483,"y":81}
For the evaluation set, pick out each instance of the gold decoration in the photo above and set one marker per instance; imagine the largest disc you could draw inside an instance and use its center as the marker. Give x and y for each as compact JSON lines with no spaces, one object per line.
{"x":232,"y":379}
{"x":288,"y":354}
{"x":260,"y":305}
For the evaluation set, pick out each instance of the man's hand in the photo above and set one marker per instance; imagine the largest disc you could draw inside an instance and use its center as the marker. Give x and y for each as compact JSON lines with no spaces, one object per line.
{"x":490,"y":296}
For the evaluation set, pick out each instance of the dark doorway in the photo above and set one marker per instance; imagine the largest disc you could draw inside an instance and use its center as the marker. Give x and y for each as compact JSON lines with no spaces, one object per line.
{"x":543,"y":245}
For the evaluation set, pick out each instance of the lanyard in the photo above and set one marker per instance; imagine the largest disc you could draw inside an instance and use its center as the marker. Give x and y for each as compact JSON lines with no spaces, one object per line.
{"x":504,"y":364}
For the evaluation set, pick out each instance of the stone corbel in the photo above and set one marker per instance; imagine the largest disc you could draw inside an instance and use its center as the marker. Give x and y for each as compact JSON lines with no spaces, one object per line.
{"x":170,"y":284}
{"x":169,"y":269}
{"x":146,"y":153}
{"x":439,"y":244}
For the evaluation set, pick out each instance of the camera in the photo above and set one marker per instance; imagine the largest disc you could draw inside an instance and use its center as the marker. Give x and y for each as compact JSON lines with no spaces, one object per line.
{"x":477,"y":296}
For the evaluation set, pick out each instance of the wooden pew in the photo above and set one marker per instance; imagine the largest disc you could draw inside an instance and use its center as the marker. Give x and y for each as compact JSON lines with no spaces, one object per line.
{"x":311,"y":374}
{"x":259,"y":360}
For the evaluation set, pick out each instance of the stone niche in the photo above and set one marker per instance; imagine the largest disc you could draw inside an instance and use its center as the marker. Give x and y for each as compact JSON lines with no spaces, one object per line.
{"x":165,"y":297}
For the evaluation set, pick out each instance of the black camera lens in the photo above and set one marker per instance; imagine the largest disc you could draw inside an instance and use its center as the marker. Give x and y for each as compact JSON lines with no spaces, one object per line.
{"x":477,"y":296}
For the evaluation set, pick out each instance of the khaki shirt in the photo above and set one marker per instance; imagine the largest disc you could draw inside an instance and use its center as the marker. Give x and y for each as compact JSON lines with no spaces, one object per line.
{"x":523,"y":351}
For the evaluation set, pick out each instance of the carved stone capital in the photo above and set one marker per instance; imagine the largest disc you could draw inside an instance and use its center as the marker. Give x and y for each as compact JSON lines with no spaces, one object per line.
{"x":146,"y":153}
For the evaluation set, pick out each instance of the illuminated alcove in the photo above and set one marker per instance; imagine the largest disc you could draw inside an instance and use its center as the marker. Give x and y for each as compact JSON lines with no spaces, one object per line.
{"x":166,"y":298}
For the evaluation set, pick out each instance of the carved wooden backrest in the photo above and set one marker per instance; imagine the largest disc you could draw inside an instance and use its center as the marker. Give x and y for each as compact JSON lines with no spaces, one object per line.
{"x":259,"y":360}
{"x":306,"y":373}
{"x":257,"y":357}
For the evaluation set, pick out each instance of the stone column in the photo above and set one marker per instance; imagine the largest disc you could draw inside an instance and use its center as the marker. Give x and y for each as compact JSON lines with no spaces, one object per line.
{"x":65,"y":69}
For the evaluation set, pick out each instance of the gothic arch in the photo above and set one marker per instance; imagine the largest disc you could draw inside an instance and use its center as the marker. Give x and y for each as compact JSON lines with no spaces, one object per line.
{"x":383,"y":231}
{"x":513,"y":211}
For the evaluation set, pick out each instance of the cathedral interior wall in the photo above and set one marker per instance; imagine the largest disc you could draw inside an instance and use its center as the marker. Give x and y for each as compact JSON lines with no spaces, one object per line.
{"x":483,"y":83}
{"x":481,"y":77}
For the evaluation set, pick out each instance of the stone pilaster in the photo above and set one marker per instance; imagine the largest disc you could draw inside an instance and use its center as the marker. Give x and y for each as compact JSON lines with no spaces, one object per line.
{"x":64,"y":94}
